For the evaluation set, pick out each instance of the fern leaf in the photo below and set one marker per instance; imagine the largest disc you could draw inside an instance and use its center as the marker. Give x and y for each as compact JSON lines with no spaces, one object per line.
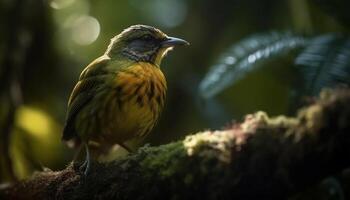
{"x":245,"y":57}
{"x":325,"y":63}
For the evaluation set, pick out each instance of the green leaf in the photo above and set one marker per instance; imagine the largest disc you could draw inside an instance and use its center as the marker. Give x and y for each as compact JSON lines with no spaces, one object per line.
{"x":325,"y":63}
{"x":245,"y":57}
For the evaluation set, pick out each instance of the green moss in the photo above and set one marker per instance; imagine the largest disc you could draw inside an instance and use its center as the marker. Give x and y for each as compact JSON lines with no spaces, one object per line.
{"x":164,"y":159}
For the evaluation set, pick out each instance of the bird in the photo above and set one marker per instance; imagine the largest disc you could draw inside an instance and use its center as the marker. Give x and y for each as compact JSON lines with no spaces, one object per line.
{"x":120,"y":95}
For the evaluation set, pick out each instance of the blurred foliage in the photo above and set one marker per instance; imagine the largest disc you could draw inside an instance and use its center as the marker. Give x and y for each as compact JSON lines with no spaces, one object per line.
{"x":265,"y":71}
{"x":37,"y":139}
{"x":245,"y":57}
{"x":325,"y":63}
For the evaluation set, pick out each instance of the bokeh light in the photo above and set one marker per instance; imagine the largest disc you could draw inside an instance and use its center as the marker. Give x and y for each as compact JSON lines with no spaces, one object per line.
{"x":60,"y":4}
{"x":33,"y":121}
{"x":85,"y":30}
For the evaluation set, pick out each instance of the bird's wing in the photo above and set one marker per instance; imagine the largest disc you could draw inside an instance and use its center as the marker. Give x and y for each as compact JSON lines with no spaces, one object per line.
{"x":89,"y":81}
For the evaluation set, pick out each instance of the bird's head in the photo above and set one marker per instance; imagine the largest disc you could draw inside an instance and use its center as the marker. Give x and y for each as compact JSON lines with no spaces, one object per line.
{"x":142,"y":43}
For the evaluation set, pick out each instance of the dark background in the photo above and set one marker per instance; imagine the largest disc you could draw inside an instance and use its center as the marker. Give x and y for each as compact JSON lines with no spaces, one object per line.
{"x":45,"y":45}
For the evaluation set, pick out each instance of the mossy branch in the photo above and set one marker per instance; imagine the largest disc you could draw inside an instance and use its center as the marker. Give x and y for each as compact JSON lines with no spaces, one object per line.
{"x":269,"y":158}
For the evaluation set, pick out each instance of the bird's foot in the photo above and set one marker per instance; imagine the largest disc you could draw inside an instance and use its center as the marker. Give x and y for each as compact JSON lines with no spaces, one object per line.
{"x":85,"y":168}
{"x":86,"y":164}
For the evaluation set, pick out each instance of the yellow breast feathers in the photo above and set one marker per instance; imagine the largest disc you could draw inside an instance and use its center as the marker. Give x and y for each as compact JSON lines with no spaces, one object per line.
{"x":142,"y":83}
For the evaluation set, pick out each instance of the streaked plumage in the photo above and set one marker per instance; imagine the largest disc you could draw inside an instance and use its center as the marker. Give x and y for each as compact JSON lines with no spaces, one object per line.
{"x":121,"y":94}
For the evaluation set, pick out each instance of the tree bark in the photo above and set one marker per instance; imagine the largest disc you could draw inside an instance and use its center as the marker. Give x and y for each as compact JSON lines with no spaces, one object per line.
{"x":262,"y":157}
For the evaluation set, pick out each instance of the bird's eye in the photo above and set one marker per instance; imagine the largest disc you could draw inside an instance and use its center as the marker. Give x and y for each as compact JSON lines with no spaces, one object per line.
{"x":146,"y":37}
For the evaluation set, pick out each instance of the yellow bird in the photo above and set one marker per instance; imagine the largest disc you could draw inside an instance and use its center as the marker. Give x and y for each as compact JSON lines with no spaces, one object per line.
{"x":120,"y":95}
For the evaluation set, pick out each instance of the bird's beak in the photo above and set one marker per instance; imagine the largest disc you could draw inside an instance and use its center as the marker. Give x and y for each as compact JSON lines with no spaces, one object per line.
{"x":173,"y":41}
